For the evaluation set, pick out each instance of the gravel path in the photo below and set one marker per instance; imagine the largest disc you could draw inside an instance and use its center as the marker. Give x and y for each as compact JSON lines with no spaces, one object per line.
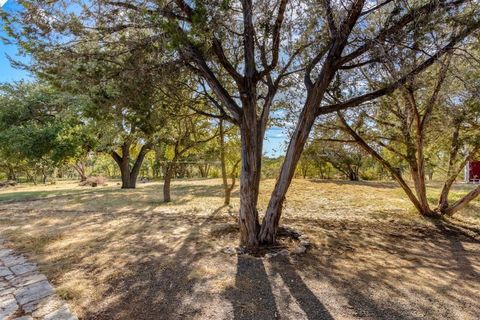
{"x":25,"y":293}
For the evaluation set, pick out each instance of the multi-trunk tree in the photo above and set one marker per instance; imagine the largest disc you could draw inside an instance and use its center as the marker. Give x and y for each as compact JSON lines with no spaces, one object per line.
{"x":436,"y":116}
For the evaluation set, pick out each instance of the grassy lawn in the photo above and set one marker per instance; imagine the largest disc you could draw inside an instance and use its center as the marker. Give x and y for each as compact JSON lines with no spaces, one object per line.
{"x":123,"y":254}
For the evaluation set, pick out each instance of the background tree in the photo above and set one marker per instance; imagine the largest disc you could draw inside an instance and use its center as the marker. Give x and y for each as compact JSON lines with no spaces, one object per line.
{"x":38,"y":126}
{"x":229,"y":158}
{"x":188,"y":132}
{"x":419,"y":118}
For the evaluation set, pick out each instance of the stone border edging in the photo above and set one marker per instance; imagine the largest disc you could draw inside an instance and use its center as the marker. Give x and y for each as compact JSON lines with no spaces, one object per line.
{"x":25,"y":293}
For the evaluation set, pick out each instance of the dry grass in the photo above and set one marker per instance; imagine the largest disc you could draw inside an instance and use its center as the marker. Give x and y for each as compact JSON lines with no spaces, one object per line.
{"x":123,"y":254}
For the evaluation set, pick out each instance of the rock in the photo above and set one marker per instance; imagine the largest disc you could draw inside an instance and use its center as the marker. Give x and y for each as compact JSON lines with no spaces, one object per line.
{"x":241,"y":250}
{"x":8,"y":307}
{"x":26,"y":294}
{"x":62,"y":313}
{"x":4,"y":271}
{"x":304,"y":243}
{"x":299,"y":250}
{"x":12,"y":260}
{"x":6,"y":291}
{"x":44,"y":306}
{"x":23,"y":268}
{"x":26,"y":280}
{"x":283,"y":252}
{"x":5,"y":252}
{"x":33,"y":292}
{"x":8,"y":183}
{"x":94,"y":181}
{"x":229,"y":250}
{"x":4,"y":285}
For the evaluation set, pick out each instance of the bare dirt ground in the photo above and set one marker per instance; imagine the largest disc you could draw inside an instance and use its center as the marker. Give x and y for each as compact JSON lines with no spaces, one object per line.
{"x":122,"y":254}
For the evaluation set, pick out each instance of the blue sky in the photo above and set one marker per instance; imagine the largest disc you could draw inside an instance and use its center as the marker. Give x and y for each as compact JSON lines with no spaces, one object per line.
{"x":275,"y":136}
{"x":7,"y":73}
{"x":275,"y":142}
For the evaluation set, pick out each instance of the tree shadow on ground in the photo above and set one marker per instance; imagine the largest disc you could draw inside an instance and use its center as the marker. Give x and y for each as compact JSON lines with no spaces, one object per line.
{"x":400,"y":271}
{"x":305,"y":298}
{"x":252,"y":295}
{"x":156,"y":287}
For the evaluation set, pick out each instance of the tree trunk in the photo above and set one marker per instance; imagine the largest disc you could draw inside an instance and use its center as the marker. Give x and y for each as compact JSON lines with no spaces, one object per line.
{"x":304,"y":172}
{"x":129,"y":176}
{"x":251,"y":135}
{"x":167,"y":181}
{"x":462,"y":202}
{"x":418,"y":177}
{"x":125,"y":173}
{"x":223,"y":165}
{"x":443,"y":205}
{"x":137,"y":165}
{"x":352,"y":175}
{"x":451,"y":176}
{"x":203,"y":168}
{"x":443,"y":200}
{"x":417,"y":170}
{"x":80,"y":168}
{"x":11,"y":175}
{"x":297,"y":143}
{"x":395,"y":172}
{"x":430,"y":175}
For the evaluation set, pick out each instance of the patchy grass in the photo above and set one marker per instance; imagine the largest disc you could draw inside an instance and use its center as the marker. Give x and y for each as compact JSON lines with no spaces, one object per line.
{"x":123,"y":254}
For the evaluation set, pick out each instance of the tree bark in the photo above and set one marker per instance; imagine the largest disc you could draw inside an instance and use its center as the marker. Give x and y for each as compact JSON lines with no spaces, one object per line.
{"x":462,"y":202}
{"x":443,"y":205}
{"x":136,"y":167}
{"x":129,"y":175}
{"x":297,"y":143}
{"x":455,"y":145}
{"x":223,"y":165}
{"x":252,"y":143}
{"x":169,"y":170}
{"x":11,"y":175}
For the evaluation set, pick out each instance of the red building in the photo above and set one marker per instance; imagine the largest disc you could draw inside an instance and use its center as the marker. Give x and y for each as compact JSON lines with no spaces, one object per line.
{"x":472,"y":172}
